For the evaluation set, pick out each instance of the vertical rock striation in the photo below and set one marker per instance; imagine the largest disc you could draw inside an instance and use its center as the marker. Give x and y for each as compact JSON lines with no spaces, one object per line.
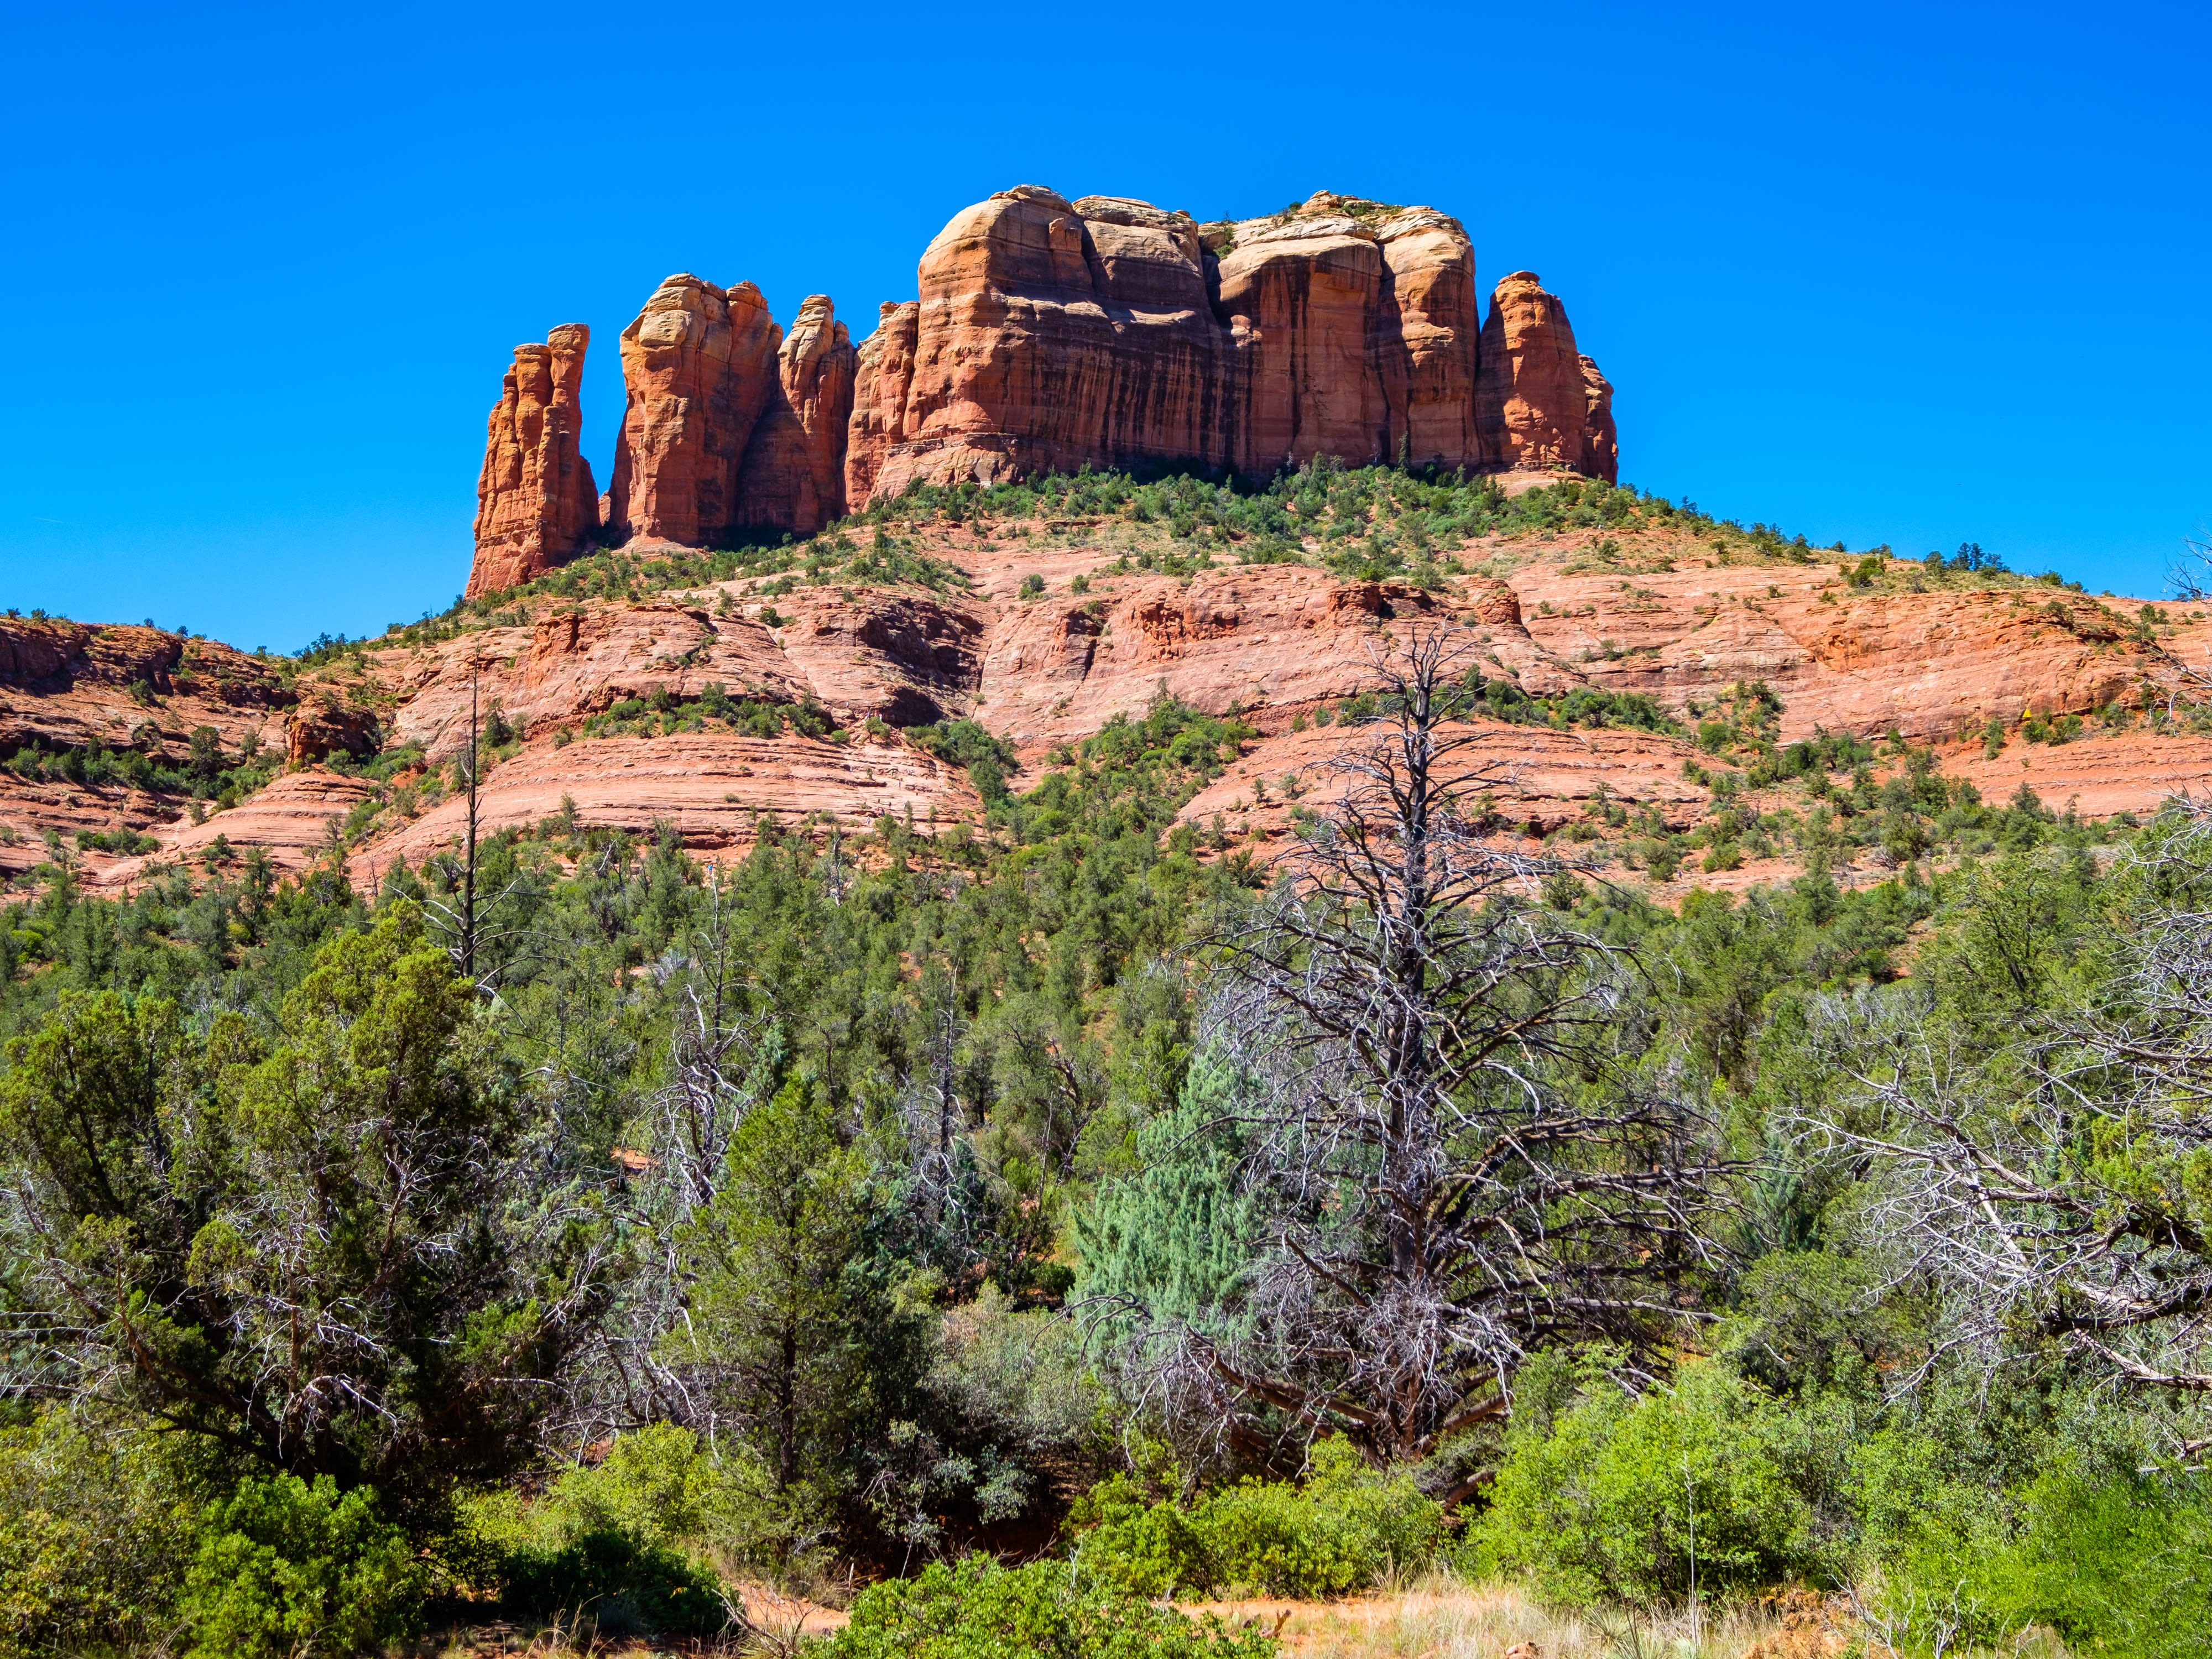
{"x":1539,"y":403}
{"x":536,"y":504}
{"x":699,"y":366}
{"x":1107,"y":331}
{"x":794,"y":477}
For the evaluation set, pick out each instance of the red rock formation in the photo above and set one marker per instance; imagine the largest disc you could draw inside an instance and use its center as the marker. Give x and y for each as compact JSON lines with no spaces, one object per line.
{"x":325,"y":726}
{"x":883,"y":371}
{"x":794,"y":477}
{"x":1049,"y":334}
{"x":1540,"y":405}
{"x":699,"y":366}
{"x":1429,"y":321}
{"x":536,"y":504}
{"x":1303,"y":299}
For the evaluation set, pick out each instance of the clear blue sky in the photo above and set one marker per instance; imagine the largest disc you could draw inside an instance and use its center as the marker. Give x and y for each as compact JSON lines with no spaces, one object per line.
{"x":1917,"y":274}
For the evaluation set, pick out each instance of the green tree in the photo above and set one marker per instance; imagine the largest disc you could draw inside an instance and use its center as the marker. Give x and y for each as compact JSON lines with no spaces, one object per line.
{"x":315,"y":1251}
{"x":791,"y":1332}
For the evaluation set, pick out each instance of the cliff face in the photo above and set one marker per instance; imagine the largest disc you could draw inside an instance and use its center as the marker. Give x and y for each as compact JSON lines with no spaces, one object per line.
{"x":794,"y":477}
{"x":536,"y":502}
{"x":698,"y":366}
{"x":1539,"y":402}
{"x":1050,"y":335}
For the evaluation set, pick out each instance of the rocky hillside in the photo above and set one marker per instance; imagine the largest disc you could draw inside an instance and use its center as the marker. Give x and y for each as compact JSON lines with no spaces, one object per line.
{"x":1048,"y":336}
{"x":1673,"y":698}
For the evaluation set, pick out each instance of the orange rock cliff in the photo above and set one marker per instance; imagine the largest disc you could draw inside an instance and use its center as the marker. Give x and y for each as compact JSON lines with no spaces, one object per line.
{"x":1050,"y":335}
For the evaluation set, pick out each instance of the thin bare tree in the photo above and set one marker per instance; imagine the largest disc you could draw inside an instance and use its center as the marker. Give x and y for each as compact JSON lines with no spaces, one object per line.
{"x":459,"y":915}
{"x":1459,"y":1165}
{"x":2047,"y":1192}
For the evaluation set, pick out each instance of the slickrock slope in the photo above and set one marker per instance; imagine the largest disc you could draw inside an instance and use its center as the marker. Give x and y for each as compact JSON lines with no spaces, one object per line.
{"x":65,"y":685}
{"x":1929,"y":664}
{"x":699,"y":364}
{"x":1540,"y":776}
{"x":1273,"y":640}
{"x":712,"y":788}
{"x":536,"y":504}
{"x":1044,"y":631}
{"x":290,"y":821}
{"x":896,"y":656}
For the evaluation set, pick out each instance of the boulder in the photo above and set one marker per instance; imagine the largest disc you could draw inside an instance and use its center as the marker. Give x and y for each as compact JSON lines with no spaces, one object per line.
{"x":536,"y":504}
{"x":323,"y":726}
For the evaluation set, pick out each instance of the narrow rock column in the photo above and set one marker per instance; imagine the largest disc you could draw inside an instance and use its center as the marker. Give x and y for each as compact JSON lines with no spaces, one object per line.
{"x":1540,"y":405}
{"x":536,"y":504}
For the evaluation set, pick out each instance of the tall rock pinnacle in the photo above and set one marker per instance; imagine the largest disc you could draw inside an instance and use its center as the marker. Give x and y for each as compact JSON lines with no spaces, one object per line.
{"x":699,"y":367}
{"x":1539,"y":403}
{"x":536,"y":502}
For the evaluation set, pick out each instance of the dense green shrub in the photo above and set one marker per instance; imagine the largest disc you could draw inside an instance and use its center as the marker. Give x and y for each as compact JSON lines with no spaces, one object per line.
{"x":95,"y":1538}
{"x":622,"y":1540}
{"x":2113,"y":1561}
{"x":1599,"y":1501}
{"x":1347,"y":1529}
{"x":623,"y":1582}
{"x":286,"y":1569}
{"x":981,"y":1610}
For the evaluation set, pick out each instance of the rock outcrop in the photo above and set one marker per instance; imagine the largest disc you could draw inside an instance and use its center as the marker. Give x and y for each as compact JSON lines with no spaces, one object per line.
{"x":1107,"y":331}
{"x":699,"y":365}
{"x":536,"y":504}
{"x":1050,"y":335}
{"x":794,"y":477}
{"x":1541,"y":406}
{"x":66,"y":685}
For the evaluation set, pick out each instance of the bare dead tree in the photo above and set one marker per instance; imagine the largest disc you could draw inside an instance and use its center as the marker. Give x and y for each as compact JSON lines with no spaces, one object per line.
{"x":1456,"y":1171}
{"x":714,"y":1049}
{"x":460,"y":918}
{"x":2048,"y":1192}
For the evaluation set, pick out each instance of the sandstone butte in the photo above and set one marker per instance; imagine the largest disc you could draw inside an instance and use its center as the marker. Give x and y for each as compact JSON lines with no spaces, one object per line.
{"x":1276,"y":642}
{"x":1050,"y":335}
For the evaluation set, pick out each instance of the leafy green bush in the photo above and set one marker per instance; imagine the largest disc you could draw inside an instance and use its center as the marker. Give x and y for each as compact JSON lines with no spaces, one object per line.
{"x":1346,"y":1528}
{"x":1598,"y":1501}
{"x":981,"y":1610}
{"x":2113,"y":1562}
{"x":95,"y":1538}
{"x":621,"y":1540}
{"x":624,"y":1582}
{"x":285,"y":1568}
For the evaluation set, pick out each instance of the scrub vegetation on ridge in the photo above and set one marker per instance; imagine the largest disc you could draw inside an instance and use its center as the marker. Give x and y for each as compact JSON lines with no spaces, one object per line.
{"x":1021,"y":1230}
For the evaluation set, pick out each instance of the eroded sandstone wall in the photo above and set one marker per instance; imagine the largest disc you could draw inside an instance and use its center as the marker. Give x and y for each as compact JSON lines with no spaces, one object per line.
{"x":1050,"y":334}
{"x":1107,"y":331}
{"x":536,"y":502}
{"x":794,"y":475}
